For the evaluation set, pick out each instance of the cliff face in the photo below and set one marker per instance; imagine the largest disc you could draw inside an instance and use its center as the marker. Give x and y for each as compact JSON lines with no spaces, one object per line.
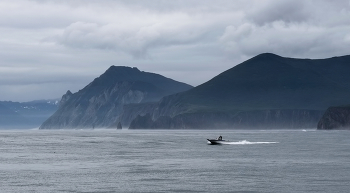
{"x":101,"y":103}
{"x":265,"y":119}
{"x":335,"y":118}
{"x":131,"y":111}
{"x":266,"y":91}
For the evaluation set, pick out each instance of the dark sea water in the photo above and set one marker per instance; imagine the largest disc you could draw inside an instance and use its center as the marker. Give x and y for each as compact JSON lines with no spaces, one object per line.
{"x":174,"y":161}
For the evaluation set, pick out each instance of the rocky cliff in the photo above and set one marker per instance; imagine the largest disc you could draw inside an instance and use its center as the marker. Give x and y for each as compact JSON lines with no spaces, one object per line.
{"x":335,"y":118}
{"x":264,"y":119}
{"x":101,"y":103}
{"x":131,"y":111}
{"x":267,"y":91}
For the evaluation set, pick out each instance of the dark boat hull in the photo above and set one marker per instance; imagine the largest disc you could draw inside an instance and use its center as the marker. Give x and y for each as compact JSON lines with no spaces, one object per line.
{"x":215,"y":141}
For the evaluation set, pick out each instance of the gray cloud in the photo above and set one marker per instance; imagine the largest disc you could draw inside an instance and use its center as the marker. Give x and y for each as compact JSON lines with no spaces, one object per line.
{"x":271,"y":11}
{"x":297,"y":40}
{"x":49,"y":46}
{"x":133,"y":40}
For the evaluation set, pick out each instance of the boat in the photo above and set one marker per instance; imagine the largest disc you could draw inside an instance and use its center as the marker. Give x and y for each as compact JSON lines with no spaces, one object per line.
{"x":216,"y":141}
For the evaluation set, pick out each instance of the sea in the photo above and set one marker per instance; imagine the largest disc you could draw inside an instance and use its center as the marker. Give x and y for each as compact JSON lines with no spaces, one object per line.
{"x":106,"y":161}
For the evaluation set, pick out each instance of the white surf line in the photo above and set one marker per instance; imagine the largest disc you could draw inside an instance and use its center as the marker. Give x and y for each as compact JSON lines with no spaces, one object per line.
{"x":245,"y":142}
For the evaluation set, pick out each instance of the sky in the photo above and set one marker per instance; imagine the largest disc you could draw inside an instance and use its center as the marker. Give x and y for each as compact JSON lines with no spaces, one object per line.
{"x":50,"y":46}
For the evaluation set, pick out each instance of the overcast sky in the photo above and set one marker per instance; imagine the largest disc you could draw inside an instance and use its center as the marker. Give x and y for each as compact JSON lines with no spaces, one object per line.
{"x":50,"y":46}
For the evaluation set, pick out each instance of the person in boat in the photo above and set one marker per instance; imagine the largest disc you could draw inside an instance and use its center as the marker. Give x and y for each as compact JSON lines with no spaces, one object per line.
{"x":220,"y":137}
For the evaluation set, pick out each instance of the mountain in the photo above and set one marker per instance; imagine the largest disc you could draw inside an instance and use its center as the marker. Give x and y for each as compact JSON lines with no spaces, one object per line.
{"x":266,"y":91}
{"x":21,"y":115}
{"x":335,"y":118}
{"x":101,"y":102}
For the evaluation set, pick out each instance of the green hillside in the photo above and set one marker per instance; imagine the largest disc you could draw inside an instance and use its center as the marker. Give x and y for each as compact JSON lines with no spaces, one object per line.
{"x":268,"y":81}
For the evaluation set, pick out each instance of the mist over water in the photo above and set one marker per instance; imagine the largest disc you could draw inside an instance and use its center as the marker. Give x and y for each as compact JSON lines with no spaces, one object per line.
{"x":174,"y":161}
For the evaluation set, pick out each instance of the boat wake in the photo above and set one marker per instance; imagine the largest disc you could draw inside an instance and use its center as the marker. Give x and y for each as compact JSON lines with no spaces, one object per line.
{"x":245,"y":142}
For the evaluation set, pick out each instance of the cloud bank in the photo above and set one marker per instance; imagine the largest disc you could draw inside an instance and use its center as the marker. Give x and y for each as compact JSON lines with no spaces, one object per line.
{"x":48,"y":46}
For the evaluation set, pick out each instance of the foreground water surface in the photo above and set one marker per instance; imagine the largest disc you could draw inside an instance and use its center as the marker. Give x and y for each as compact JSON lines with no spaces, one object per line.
{"x":174,"y":161}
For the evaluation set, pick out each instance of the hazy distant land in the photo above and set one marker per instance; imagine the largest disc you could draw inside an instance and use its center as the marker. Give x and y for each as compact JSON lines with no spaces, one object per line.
{"x":26,"y":115}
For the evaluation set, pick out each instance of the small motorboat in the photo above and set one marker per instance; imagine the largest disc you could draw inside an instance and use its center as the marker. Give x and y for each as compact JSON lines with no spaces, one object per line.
{"x":216,"y":141}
